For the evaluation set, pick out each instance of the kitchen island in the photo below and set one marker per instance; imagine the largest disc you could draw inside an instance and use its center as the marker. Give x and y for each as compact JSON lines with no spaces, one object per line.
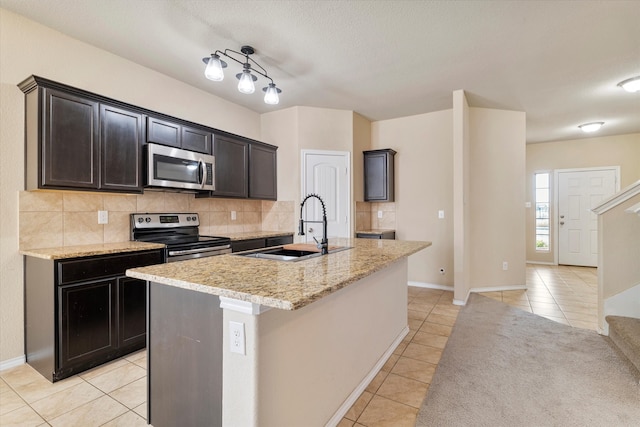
{"x":235,"y":340}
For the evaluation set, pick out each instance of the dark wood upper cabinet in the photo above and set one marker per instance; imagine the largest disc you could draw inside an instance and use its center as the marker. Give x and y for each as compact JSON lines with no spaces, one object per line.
{"x":69,"y":154}
{"x":76,"y":141}
{"x":379,"y":175}
{"x":263,"y":179}
{"x":121,"y":143}
{"x":232,"y":167}
{"x":196,"y":139}
{"x":174,"y":134}
{"x":163,"y":132}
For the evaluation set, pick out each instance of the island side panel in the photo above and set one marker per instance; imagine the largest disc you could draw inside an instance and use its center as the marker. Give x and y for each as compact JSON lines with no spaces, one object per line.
{"x":306,"y":363}
{"x":40,"y":312}
{"x":184,"y":357}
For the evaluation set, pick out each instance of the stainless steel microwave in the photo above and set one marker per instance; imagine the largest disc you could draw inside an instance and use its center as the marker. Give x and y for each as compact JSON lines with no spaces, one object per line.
{"x":170,"y":167}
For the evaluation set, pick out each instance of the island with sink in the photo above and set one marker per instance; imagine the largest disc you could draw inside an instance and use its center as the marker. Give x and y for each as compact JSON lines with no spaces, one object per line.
{"x":278,"y":336}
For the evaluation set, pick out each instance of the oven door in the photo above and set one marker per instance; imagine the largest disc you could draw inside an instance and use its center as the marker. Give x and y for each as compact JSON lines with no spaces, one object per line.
{"x":180,"y":254}
{"x":175,"y":168}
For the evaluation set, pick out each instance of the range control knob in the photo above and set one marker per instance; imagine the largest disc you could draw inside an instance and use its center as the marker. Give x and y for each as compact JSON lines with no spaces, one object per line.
{"x":140,"y":220}
{"x":188,"y":218}
{"x":147,"y":219}
{"x":193,"y":218}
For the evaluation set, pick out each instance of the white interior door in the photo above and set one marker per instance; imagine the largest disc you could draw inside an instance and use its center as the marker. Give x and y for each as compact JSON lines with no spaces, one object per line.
{"x":327,"y":174}
{"x":578,"y":193}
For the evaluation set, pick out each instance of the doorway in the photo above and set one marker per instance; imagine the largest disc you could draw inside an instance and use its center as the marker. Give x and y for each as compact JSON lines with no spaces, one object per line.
{"x":327,"y":174}
{"x":578,"y":191}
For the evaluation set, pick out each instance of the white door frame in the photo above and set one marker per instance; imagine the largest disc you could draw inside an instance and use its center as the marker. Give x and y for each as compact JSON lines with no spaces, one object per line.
{"x":556,"y":172}
{"x":303,"y":177}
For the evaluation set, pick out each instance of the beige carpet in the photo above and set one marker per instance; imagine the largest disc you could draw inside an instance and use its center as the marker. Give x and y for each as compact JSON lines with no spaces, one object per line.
{"x":506,"y":367}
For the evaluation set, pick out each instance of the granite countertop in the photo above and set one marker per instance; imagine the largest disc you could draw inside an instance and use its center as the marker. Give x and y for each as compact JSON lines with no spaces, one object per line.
{"x":79,"y":251}
{"x":246,"y":235}
{"x":278,"y":284}
{"x":63,"y":252}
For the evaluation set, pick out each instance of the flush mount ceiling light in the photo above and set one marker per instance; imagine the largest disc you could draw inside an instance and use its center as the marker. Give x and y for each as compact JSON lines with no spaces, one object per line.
{"x":591,"y":127}
{"x":631,"y":85}
{"x":213,"y":71}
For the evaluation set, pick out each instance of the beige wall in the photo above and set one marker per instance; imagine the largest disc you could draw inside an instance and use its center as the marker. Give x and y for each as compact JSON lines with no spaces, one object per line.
{"x":361,"y":142}
{"x":620,"y":232}
{"x":497,"y":197}
{"x":619,"y":150}
{"x":11,"y":181}
{"x":280,"y":128}
{"x":29,"y":48}
{"x":461,"y":191}
{"x":423,"y":185}
{"x":325,"y":129}
{"x":310,"y":128}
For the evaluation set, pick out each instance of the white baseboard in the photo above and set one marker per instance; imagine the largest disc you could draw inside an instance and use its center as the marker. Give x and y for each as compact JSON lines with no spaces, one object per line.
{"x":489,"y":289}
{"x":12,"y":363}
{"x":344,"y":408}
{"x":542,"y":262}
{"x":499,"y":289}
{"x":430,"y":286}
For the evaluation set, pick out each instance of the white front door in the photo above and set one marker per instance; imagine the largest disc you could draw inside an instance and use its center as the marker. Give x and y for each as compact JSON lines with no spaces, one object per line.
{"x":327,"y":174}
{"x":578,"y":193}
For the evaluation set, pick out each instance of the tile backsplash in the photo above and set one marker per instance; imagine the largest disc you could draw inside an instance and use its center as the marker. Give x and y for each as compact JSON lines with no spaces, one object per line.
{"x":367,"y":216}
{"x":50,"y":219}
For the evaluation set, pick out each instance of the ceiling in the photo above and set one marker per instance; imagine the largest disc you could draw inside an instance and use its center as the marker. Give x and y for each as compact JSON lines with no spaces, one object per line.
{"x":559,"y":61}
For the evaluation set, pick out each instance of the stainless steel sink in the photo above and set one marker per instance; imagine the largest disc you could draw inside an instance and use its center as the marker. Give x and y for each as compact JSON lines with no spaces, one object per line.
{"x":281,"y":254}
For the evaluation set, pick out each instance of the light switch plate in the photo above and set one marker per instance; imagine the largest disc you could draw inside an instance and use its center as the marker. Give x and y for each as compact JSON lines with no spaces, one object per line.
{"x":379,"y":214}
{"x":440,"y":214}
{"x":233,"y":215}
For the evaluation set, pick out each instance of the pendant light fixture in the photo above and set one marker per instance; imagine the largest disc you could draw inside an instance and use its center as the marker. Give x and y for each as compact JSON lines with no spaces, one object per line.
{"x":631,"y":85}
{"x":214,"y":71}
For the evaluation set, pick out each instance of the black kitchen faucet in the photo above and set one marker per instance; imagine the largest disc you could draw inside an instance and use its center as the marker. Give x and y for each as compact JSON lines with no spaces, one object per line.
{"x":324,"y":244}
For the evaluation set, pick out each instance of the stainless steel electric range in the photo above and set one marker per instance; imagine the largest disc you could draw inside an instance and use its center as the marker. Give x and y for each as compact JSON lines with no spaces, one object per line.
{"x":180,"y":233}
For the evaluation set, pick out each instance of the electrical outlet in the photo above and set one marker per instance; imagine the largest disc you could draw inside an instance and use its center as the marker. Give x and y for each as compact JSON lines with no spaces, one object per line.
{"x":379,"y":214}
{"x":236,"y":338}
{"x":103,"y":217}
{"x":233,"y":215}
{"x":505,"y":265}
{"x":440,"y":214}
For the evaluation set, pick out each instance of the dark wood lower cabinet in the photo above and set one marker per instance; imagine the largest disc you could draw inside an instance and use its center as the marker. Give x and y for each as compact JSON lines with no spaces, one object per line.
{"x":82,"y":312}
{"x":132,"y":300}
{"x":262,"y":242}
{"x":87,"y":323}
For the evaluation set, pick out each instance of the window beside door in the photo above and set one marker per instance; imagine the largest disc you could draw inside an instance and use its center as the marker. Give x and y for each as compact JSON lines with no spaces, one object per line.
{"x":542,"y":211}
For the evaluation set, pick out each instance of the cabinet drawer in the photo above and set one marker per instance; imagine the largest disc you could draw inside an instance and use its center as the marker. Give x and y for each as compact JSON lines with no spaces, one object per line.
{"x":82,"y":269}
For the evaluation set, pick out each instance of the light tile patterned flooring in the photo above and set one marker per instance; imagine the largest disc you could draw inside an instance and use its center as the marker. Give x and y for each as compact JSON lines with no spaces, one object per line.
{"x":565,"y":294}
{"x":115,"y":394}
